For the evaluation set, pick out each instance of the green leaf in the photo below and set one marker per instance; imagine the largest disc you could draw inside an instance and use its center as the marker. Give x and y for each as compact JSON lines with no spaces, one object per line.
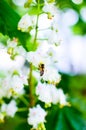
{"x":40,"y":1}
{"x":69,"y":119}
{"x":66,"y":118}
{"x":52,"y":118}
{"x":74,"y":118}
{"x":79,"y":28}
{"x":23,"y":126}
{"x":33,"y":10}
{"x":8,"y":23}
{"x":30,"y":44}
{"x":10,"y":123}
{"x":61,"y":124}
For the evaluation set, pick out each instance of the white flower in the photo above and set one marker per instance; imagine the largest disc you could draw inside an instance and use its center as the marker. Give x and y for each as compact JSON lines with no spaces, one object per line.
{"x":48,"y":94}
{"x":43,"y":18}
{"x":10,"y":109}
{"x":17,"y":84}
{"x":54,"y":94}
{"x":58,"y":96}
{"x":13,"y":49}
{"x":52,"y":54}
{"x":12,"y":43}
{"x":19,"y":50}
{"x":43,"y":92}
{"x":12,"y":84}
{"x":62,"y":98}
{"x":37,"y":57}
{"x":4,"y":87}
{"x":50,"y":9}
{"x":51,"y":74}
{"x":55,"y":23}
{"x":54,"y":38}
{"x":36,"y":116}
{"x":26,"y":23}
{"x":34,"y":57}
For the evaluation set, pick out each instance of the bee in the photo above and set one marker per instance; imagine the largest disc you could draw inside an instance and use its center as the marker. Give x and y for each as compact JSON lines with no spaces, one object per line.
{"x":41,"y":68}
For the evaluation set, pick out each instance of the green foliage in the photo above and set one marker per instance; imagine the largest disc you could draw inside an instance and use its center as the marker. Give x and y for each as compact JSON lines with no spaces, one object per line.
{"x":8,"y":23}
{"x":30,"y":44}
{"x":64,"y":85}
{"x":11,"y":123}
{"x":66,"y":118}
{"x":77,"y":87}
{"x":23,"y":126}
{"x":40,"y":1}
{"x":74,"y":119}
{"x":79,"y":28}
{"x":33,"y":10}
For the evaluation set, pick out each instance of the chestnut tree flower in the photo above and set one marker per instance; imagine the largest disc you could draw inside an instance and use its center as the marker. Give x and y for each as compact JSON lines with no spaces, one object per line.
{"x":4,"y":87}
{"x":37,"y":57}
{"x":26,"y":23}
{"x":52,"y":54}
{"x":51,"y":75}
{"x":9,"y":109}
{"x":43,"y":92}
{"x":48,"y":94}
{"x":62,"y":98}
{"x":13,"y":49}
{"x":36,"y":116}
{"x":12,"y":84}
{"x":54,"y":38}
{"x":42,"y":74}
{"x":17,"y":85}
{"x":50,"y":9}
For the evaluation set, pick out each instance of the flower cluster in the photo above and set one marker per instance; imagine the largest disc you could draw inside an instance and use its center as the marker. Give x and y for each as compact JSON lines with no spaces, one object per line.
{"x":48,"y":93}
{"x":13,"y":49}
{"x":12,"y":84}
{"x":36,"y":116}
{"x":8,"y":110}
{"x":11,"y":87}
{"x":42,"y":64}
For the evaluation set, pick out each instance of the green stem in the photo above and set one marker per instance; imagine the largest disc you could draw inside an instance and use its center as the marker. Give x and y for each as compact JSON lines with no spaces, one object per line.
{"x":30,"y":80}
{"x":23,"y":100}
{"x":22,"y":109}
{"x":36,"y":27}
{"x":31,"y":87}
{"x":42,"y":39}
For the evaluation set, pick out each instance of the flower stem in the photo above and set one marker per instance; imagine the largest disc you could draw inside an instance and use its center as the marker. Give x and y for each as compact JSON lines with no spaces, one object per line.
{"x":30,"y":80}
{"x":36,"y":27}
{"x":42,"y":39}
{"x":23,"y":100}
{"x":31,"y":87}
{"x":22,"y":109}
